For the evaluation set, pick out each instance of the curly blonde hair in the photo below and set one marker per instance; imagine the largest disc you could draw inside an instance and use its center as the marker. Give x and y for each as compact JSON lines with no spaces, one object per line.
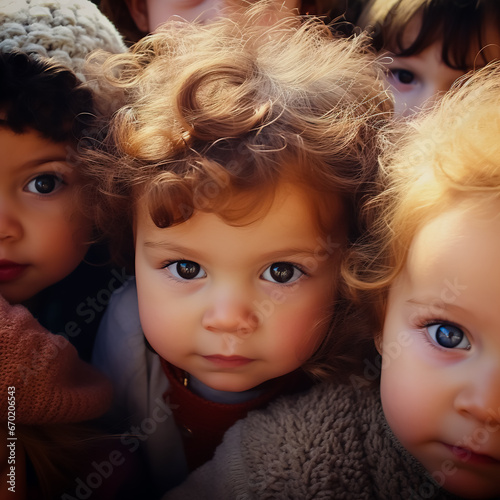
{"x":449,"y":155}
{"x":207,"y":112}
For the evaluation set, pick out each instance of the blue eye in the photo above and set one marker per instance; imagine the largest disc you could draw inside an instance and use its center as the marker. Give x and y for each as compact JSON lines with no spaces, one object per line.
{"x":403,"y":76}
{"x":282,"y":272}
{"x":186,"y":270}
{"x":44,"y":184}
{"x":448,"y":336}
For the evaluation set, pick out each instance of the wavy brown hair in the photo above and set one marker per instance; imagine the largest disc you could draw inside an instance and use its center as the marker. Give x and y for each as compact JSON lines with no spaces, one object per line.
{"x":207,"y":112}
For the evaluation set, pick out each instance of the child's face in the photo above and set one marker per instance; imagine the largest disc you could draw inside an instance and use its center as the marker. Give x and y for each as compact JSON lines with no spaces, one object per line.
{"x":160,"y":10}
{"x":42,"y":237}
{"x":149,"y":14}
{"x":236,"y":306}
{"x":441,"y":351}
{"x":418,"y":80}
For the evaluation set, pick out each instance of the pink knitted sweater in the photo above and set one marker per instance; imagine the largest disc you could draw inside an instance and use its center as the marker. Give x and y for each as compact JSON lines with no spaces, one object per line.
{"x":42,"y":379}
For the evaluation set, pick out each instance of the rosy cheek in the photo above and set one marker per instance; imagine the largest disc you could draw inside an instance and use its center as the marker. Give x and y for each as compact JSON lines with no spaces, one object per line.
{"x":302,"y":335}
{"x":152,"y":319}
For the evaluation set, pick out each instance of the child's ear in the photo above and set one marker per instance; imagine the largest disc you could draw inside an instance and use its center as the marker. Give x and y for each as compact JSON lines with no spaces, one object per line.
{"x":139,"y":12}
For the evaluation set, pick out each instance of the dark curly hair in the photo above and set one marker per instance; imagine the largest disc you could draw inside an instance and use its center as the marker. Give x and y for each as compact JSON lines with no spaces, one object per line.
{"x":40,"y":95}
{"x":459,"y":24}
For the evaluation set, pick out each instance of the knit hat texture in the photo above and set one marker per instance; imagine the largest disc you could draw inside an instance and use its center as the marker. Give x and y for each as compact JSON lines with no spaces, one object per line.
{"x":65,"y":30}
{"x":41,"y":375}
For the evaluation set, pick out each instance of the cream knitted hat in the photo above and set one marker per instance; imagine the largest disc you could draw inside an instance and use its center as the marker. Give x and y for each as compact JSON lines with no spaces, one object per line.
{"x":65,"y":30}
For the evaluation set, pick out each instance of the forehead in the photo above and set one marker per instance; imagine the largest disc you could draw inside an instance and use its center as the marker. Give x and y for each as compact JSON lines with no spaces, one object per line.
{"x":165,"y":202}
{"x":28,"y":148}
{"x":459,"y":246}
{"x":290,"y":210}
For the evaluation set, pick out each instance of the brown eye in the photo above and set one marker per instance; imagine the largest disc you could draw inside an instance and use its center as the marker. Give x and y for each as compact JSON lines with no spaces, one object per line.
{"x":282,"y":272}
{"x":403,"y":76}
{"x":186,"y":270}
{"x":44,"y":184}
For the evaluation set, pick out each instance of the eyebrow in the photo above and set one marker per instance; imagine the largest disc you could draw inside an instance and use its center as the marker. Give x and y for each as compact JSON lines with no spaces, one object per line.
{"x":49,"y":159}
{"x":64,"y":165}
{"x":165,"y":245}
{"x":173,"y":247}
{"x":438,"y":303}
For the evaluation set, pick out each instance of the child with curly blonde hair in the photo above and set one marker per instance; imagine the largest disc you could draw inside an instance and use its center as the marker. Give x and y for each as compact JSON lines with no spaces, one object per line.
{"x":430,"y":426}
{"x":241,"y":152}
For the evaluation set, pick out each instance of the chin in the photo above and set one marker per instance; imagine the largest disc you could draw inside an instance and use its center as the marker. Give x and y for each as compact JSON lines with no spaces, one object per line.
{"x":15,"y":297}
{"x":470,"y":486}
{"x":227,"y":383}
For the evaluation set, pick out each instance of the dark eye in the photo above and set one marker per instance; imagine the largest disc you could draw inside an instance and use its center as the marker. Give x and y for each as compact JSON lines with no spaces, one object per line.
{"x":186,"y":270}
{"x":44,"y":184}
{"x":448,"y":336}
{"x":403,"y":76}
{"x":282,"y":272}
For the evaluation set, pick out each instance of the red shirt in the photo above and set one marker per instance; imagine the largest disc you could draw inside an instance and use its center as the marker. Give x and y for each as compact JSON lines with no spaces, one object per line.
{"x":202,"y":423}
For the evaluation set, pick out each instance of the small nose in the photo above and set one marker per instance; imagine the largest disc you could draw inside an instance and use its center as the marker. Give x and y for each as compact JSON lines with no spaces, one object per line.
{"x":10,"y":227}
{"x":229,"y":312}
{"x":480,"y":398}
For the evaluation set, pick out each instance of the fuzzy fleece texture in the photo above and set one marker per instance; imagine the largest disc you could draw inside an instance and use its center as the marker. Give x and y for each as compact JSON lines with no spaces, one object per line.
{"x":332,"y":442}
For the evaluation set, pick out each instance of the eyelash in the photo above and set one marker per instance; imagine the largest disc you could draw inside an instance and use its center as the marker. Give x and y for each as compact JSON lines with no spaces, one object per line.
{"x":59,"y":178}
{"x":427,"y":339}
{"x":423,"y":324}
{"x":171,"y":276}
{"x":291,"y":283}
{"x":305,"y":274}
{"x":396,"y":73}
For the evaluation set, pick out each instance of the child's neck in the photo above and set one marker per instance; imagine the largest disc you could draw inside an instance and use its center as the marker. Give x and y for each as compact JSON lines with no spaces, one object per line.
{"x":202,"y":390}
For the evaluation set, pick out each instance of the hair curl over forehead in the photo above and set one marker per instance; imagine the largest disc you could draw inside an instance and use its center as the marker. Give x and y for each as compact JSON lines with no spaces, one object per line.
{"x":447,"y":156}
{"x":238,"y":105}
